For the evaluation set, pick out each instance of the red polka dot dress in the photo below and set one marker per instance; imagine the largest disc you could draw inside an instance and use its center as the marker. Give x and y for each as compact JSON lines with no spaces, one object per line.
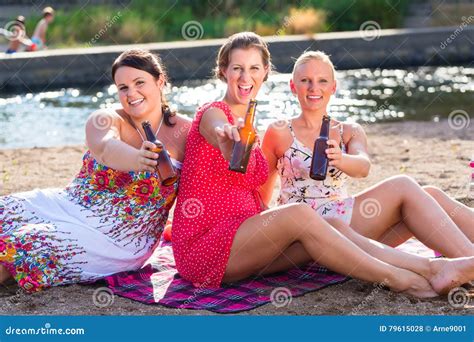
{"x":212,"y":204}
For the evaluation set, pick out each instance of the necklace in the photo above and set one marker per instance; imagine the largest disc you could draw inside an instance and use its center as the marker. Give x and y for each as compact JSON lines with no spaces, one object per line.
{"x":140,"y":133}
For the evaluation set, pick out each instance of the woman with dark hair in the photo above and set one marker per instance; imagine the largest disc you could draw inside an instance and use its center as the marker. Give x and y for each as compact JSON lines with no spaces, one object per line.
{"x":109,"y":218}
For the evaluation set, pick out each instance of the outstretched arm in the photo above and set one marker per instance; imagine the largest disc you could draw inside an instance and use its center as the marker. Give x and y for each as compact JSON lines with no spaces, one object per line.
{"x":218,"y":132}
{"x":103,"y":140}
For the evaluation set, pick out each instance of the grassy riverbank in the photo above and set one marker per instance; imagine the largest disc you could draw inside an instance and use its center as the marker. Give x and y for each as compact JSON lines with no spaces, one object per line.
{"x":144,"y":21}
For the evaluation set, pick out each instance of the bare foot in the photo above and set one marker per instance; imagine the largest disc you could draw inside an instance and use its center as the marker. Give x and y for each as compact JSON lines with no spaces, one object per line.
{"x":413,"y":284}
{"x":450,"y":273}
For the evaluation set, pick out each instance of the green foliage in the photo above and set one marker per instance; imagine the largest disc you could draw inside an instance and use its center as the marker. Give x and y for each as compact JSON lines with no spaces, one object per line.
{"x":349,"y":15}
{"x":162,"y":20}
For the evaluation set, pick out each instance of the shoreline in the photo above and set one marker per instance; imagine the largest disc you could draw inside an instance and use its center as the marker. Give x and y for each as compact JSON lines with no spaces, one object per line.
{"x":432,"y":153}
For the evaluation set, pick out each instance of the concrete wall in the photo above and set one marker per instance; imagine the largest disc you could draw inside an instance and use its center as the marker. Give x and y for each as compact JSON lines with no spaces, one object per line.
{"x":39,"y":71}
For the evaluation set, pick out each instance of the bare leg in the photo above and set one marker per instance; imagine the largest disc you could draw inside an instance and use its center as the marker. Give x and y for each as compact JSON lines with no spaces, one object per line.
{"x":293,"y":256}
{"x":461,"y":214}
{"x":4,"y":274}
{"x":385,"y":253}
{"x":262,"y":238}
{"x":400,"y":199}
{"x":396,"y":235}
{"x":443,"y":274}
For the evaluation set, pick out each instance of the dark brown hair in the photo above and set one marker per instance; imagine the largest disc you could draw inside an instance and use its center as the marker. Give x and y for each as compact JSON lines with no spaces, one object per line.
{"x":242,"y":40}
{"x":146,"y":61}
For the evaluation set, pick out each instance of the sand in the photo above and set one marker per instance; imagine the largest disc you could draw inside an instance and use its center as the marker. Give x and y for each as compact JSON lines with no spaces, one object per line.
{"x":432,"y":153}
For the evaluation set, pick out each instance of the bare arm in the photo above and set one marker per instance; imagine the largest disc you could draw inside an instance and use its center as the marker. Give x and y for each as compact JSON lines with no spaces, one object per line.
{"x":269,"y":149}
{"x":355,"y":163}
{"x":215,"y":128}
{"x":103,"y":140}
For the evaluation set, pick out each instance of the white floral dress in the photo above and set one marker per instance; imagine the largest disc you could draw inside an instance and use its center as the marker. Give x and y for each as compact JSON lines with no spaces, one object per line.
{"x":105,"y":221}
{"x":329,"y":197}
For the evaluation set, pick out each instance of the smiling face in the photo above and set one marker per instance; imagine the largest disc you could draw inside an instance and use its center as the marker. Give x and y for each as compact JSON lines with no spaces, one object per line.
{"x":244,"y":75}
{"x":139,"y":92}
{"x":314,"y":84}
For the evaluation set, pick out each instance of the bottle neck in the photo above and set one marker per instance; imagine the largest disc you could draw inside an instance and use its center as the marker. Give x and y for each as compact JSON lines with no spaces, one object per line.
{"x":250,"y":115}
{"x":324,"y":133}
{"x":148,"y":131}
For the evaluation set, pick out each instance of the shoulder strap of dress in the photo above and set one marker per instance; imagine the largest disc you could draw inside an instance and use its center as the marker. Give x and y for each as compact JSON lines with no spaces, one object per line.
{"x":291,"y":130}
{"x":217,"y":104}
{"x":341,"y":132}
{"x":225,"y":108}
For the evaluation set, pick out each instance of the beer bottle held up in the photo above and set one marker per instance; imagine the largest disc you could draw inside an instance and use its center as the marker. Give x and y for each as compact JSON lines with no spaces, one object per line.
{"x":320,"y":162}
{"x":242,"y":149}
{"x":165,"y":168}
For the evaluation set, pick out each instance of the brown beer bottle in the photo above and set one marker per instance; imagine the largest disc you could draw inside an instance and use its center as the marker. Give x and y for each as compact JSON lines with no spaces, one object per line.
{"x":241,"y":150}
{"x":319,"y":163}
{"x":165,"y":167}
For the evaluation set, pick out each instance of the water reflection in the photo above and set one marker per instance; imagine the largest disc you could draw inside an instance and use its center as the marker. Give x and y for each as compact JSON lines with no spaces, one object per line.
{"x":57,"y":117}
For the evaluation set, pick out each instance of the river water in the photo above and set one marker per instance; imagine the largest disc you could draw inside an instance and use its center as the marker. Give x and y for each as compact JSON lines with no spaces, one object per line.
{"x":57,"y":118}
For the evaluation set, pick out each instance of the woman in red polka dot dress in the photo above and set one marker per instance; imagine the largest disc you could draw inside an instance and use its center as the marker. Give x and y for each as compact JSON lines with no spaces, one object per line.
{"x":220,"y":231}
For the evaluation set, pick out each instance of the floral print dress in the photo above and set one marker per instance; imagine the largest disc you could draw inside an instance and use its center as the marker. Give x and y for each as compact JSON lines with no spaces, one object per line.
{"x":105,"y":221}
{"x":329,"y":197}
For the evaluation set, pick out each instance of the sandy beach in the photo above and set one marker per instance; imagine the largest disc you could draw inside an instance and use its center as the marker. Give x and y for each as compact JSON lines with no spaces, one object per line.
{"x":432,"y":153}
